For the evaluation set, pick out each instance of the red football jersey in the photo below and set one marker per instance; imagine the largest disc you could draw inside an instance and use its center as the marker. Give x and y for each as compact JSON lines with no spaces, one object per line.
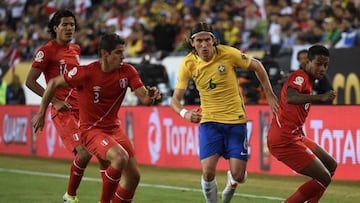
{"x":54,"y":60}
{"x":101,"y":94}
{"x":291,"y":117}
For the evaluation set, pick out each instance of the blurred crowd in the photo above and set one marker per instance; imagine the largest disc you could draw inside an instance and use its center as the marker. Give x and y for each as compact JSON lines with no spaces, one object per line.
{"x":161,"y":26}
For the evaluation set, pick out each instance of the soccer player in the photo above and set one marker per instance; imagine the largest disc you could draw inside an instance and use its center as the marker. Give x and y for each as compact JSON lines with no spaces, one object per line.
{"x":286,"y":139}
{"x":320,"y":85}
{"x":222,"y":114}
{"x":57,"y":57}
{"x":102,"y":87}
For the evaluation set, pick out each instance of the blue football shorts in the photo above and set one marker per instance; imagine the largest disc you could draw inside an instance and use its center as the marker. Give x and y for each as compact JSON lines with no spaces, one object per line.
{"x":227,"y":140}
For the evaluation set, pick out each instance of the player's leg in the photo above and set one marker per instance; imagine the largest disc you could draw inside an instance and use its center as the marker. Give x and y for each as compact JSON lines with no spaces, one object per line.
{"x":77,"y":169}
{"x":118,"y":158}
{"x":301,"y":159}
{"x":328,"y":161}
{"x":208,"y":179}
{"x":129,"y":181}
{"x":210,"y":147}
{"x":130,"y":175}
{"x":236,"y":149}
{"x":66,"y":123}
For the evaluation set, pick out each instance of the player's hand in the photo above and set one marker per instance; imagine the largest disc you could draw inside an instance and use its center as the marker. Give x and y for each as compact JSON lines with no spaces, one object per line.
{"x":154,"y":92}
{"x":194,"y":115}
{"x":273,"y":102}
{"x":328,"y":96}
{"x":61,"y":105}
{"x":38,"y":122}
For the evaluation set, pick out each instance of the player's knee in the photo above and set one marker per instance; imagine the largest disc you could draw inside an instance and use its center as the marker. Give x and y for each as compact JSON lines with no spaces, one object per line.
{"x":83,"y":155}
{"x":118,"y":158}
{"x":208,"y":176}
{"x":332,"y":167}
{"x":244,"y":178}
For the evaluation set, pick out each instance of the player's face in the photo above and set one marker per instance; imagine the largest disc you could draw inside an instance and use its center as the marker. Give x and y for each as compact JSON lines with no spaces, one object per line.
{"x":115,"y":58}
{"x":65,"y":30}
{"x":318,"y":66}
{"x":204,"y":46}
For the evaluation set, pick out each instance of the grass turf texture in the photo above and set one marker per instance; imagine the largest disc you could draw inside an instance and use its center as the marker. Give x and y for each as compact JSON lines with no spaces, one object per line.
{"x":40,"y":180}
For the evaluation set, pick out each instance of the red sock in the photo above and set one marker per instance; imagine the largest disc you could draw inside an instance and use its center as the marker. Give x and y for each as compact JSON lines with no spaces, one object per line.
{"x":123,"y":196}
{"x":305,"y":192}
{"x":102,"y":170}
{"x":110,"y":183}
{"x":317,"y":198}
{"x":76,"y":174}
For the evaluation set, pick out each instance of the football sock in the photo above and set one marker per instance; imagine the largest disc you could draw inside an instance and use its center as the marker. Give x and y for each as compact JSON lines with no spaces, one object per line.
{"x":317,"y":198}
{"x":76,"y":174}
{"x":123,"y":196}
{"x":305,"y":192}
{"x":209,"y":190}
{"x":110,"y":183}
{"x":102,"y":170}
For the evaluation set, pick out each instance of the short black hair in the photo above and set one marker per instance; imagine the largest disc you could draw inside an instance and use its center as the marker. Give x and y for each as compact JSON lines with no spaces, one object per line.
{"x":318,"y":50}
{"x":56,"y":19}
{"x":109,"y":41}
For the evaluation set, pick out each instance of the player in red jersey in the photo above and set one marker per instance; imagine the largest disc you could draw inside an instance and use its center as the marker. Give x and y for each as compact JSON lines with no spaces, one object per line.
{"x":57,"y":57}
{"x":286,"y":139}
{"x":102,"y":87}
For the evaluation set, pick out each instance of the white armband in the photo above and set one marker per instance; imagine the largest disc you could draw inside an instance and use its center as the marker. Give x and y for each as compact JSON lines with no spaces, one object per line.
{"x":183,"y":112}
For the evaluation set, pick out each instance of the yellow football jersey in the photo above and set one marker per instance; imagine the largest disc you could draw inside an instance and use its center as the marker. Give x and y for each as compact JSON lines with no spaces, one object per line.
{"x":217,"y":83}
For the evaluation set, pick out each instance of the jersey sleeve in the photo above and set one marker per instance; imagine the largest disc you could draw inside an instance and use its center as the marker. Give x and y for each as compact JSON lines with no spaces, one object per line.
{"x":298,"y":81}
{"x":242,"y":60}
{"x":41,"y":58}
{"x":134,"y":77}
{"x":75,"y":76}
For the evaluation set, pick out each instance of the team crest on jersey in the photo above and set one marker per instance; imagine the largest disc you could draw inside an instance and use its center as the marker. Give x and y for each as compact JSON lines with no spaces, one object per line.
{"x":39,"y":56}
{"x":221,"y":69}
{"x":298,"y":80}
{"x":72,"y":72}
{"x":123,"y":82}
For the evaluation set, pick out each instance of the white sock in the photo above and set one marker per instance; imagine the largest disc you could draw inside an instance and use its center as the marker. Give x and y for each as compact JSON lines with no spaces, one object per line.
{"x":209,"y":190}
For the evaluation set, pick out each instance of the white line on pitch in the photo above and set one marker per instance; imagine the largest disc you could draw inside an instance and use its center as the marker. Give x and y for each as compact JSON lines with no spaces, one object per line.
{"x":56,"y":175}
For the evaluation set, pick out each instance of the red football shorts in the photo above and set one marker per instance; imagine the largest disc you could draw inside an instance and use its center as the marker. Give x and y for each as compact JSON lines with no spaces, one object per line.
{"x":99,"y":141}
{"x":296,"y":151}
{"x":66,"y":124}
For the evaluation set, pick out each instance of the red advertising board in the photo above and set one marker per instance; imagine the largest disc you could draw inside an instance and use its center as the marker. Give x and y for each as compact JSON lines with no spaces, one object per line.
{"x":164,"y":139}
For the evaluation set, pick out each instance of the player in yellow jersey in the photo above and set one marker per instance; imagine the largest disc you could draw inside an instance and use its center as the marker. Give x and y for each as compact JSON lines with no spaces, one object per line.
{"x":222,"y":117}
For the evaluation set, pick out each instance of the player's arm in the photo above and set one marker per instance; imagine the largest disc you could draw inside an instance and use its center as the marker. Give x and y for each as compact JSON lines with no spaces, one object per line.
{"x":33,"y":85}
{"x":39,"y":119}
{"x":293,"y":96}
{"x":262,"y":76}
{"x":193,"y":115}
{"x":148,"y":95}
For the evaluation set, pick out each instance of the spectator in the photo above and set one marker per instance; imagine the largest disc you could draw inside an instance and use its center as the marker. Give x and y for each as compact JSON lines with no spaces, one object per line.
{"x":3,"y":89}
{"x":164,"y":34}
{"x":15,"y":92}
